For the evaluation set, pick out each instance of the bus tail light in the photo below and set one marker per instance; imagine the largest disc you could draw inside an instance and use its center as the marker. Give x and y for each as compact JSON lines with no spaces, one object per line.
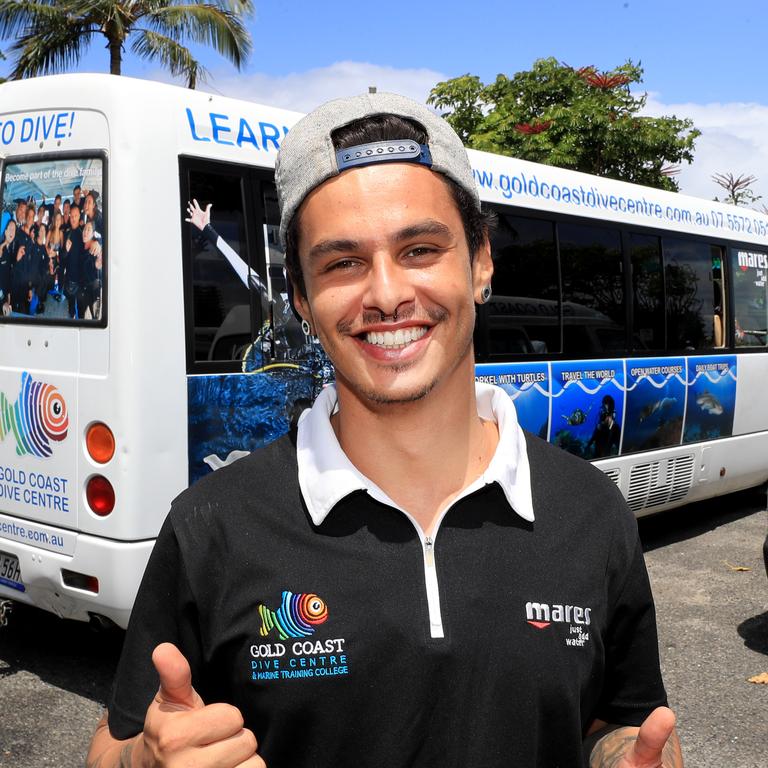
{"x":100,"y":442}
{"x":100,"y":495}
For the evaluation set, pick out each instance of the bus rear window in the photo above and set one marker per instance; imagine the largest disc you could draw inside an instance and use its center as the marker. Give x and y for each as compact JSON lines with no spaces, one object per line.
{"x":52,"y":241}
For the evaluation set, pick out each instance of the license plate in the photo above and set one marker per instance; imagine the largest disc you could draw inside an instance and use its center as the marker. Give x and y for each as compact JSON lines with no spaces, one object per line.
{"x":10,"y":573}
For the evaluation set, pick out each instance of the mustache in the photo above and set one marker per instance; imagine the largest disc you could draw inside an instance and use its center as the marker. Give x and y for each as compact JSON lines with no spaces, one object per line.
{"x":430,"y":315}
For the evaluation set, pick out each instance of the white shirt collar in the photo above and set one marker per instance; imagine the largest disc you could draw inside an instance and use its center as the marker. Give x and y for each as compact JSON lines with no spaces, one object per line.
{"x":326,"y":475}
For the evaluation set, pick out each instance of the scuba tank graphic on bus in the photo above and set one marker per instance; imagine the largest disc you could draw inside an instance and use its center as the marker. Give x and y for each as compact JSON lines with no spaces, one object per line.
{"x":38,"y":416}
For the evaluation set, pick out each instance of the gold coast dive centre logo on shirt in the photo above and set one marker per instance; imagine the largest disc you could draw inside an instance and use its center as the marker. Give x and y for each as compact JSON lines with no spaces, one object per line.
{"x":543,"y":615}
{"x":294,"y":654}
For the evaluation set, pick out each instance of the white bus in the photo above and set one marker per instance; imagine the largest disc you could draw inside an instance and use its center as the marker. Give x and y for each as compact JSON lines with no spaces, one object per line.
{"x":145,"y":337}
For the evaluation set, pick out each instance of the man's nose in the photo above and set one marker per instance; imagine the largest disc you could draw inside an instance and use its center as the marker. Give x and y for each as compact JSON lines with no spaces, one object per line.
{"x":389,"y":286}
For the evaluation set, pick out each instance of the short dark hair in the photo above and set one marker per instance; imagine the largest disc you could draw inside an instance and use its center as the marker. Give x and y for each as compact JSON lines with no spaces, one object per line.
{"x":478,"y":224}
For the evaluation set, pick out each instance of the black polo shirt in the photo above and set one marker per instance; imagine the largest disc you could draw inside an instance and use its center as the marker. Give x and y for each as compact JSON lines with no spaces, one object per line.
{"x":320,"y":626}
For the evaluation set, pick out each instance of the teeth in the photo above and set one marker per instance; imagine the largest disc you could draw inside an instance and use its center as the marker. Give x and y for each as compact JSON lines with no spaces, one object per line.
{"x":395,"y":339}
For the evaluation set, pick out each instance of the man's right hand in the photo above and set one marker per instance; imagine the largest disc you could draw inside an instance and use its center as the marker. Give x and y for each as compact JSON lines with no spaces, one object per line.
{"x":181,"y":730}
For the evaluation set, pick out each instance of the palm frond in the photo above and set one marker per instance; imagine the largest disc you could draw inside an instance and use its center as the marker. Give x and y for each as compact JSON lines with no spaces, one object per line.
{"x":207,"y":24}
{"x":53,"y":50}
{"x":171,"y":54}
{"x":18,"y":17}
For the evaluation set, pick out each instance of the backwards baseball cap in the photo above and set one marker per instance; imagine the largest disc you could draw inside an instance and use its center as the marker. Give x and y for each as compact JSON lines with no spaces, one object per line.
{"x":307,"y":156}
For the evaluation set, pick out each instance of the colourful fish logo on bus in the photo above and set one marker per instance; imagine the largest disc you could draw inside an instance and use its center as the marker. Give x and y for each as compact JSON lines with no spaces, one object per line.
{"x":297,"y":616}
{"x":38,"y":417}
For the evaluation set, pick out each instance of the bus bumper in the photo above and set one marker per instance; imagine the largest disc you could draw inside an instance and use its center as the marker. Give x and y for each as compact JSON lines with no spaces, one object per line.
{"x":100,"y":578}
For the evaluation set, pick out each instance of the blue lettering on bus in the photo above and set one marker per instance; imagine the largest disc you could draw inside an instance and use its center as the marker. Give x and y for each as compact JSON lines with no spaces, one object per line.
{"x":8,"y":132}
{"x":61,"y":126}
{"x":219,"y":129}
{"x":191,"y":121}
{"x":245,"y":134}
{"x":272,"y":135}
{"x":222,"y":131}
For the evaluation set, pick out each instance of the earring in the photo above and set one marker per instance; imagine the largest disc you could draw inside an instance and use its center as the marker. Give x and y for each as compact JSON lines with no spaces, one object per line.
{"x":306,"y":328}
{"x":485,"y":294}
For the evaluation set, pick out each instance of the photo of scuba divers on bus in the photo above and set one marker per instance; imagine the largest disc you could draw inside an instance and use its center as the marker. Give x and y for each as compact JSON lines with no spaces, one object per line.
{"x":52,"y":240}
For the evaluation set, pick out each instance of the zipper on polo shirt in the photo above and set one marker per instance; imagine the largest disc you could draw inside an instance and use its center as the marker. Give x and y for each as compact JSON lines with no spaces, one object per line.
{"x":433,"y":592}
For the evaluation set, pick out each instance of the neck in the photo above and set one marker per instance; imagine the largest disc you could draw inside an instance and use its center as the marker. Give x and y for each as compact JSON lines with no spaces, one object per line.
{"x":421,"y":454}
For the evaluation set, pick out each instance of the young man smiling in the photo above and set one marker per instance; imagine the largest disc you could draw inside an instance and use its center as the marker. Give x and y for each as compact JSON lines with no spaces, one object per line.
{"x":412,"y":581}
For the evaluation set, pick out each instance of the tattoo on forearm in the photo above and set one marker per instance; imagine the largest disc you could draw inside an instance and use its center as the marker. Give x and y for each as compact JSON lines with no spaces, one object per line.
{"x":125,"y":756}
{"x":609,"y":751}
{"x":611,"y":748}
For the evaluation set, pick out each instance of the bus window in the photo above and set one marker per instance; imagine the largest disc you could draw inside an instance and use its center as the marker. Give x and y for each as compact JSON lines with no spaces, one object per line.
{"x":287,"y":340}
{"x":221,"y":306}
{"x":750,"y":294}
{"x":523,"y":314}
{"x":647,"y":292}
{"x":694,"y":292}
{"x":53,"y":241}
{"x":593,"y":290}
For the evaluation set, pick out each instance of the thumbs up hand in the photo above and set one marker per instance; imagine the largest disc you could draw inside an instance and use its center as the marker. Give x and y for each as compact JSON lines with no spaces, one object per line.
{"x":181,"y":730}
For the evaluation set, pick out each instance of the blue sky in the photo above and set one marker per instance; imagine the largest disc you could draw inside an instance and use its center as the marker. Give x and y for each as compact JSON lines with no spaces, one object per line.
{"x":703,"y":60}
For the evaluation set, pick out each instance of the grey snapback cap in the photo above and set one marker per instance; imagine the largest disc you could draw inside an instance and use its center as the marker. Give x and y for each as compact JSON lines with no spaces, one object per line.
{"x":307,"y":156}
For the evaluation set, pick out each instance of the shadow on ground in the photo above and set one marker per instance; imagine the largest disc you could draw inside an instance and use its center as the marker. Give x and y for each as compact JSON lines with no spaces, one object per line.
{"x":687,"y":522}
{"x":67,"y":654}
{"x":754,"y":632}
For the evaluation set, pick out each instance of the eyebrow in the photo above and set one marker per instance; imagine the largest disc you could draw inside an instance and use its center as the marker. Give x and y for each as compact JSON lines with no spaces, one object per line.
{"x":428,"y":227}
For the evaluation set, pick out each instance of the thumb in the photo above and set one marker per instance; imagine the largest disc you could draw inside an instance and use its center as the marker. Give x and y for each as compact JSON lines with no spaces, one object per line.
{"x":652,"y":737}
{"x":175,"y":678}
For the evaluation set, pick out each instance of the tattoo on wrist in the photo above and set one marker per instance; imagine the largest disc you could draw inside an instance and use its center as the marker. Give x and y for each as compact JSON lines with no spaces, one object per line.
{"x":609,"y":750}
{"x":125,"y":756}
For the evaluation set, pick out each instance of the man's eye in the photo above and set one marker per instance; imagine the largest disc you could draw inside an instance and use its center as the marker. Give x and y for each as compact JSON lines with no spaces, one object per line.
{"x":342,"y":264}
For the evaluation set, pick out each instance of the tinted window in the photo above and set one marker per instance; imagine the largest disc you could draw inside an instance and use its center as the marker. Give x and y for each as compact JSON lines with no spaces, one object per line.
{"x":693,"y":279}
{"x":523,"y":314}
{"x":221,"y":309}
{"x":593,"y":290}
{"x":750,"y":291}
{"x":648,"y":331}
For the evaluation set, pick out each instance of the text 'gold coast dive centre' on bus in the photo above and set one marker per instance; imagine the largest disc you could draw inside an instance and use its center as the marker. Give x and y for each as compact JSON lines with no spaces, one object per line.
{"x":146,"y":337}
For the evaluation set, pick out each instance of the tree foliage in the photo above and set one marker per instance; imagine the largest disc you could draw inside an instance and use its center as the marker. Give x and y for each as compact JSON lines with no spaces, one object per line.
{"x":738,"y":188}
{"x":581,"y":119}
{"x":52,"y":35}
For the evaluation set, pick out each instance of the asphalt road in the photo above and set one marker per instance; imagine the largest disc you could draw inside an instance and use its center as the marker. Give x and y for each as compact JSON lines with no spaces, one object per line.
{"x":713,"y":625}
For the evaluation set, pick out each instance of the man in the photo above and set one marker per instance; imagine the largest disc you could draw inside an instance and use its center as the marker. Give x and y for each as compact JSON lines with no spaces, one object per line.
{"x":412,"y":581}
{"x":92,"y":215}
{"x":73,"y":263}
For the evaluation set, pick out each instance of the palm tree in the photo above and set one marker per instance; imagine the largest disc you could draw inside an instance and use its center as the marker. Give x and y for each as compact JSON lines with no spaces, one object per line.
{"x":53,"y":34}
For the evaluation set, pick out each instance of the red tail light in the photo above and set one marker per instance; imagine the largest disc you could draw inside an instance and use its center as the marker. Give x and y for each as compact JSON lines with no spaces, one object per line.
{"x":100,"y":495}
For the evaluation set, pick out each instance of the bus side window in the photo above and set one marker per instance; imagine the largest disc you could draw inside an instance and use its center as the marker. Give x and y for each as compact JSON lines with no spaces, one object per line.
{"x":750,"y":297}
{"x":694,"y":293}
{"x":648,"y":331}
{"x":594,"y":310}
{"x":221,"y":305}
{"x":523,"y":314}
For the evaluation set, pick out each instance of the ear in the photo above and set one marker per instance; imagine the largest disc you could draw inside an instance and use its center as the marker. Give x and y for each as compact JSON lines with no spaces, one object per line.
{"x":482,"y":270}
{"x":299,"y":303}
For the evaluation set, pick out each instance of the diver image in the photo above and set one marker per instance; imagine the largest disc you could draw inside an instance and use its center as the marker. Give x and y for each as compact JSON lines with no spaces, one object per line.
{"x":606,"y":437}
{"x":587,"y":407}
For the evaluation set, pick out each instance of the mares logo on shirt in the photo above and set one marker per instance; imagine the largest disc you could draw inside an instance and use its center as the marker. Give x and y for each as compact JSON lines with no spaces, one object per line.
{"x":543,"y":615}
{"x":298,"y":616}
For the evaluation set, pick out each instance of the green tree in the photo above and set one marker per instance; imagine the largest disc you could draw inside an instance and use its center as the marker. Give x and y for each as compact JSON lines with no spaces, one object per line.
{"x":575,"y":118}
{"x":51,"y":35}
{"x":738,"y":188}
